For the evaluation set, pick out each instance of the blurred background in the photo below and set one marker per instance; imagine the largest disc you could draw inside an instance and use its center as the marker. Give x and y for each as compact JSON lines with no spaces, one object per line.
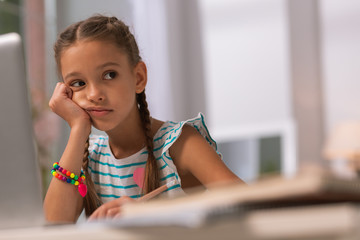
{"x":273,"y":77}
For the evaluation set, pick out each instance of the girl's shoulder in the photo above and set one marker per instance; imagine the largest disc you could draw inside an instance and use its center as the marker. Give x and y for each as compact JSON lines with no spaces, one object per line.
{"x":170,"y":131}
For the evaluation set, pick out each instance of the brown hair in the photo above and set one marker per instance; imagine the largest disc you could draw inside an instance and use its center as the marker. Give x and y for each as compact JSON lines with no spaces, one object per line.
{"x":105,"y":28}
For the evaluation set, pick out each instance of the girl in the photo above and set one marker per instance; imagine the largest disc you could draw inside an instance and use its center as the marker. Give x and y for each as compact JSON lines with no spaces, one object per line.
{"x":103,"y":85}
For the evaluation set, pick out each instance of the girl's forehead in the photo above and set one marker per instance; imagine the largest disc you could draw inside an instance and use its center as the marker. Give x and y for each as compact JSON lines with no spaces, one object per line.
{"x":95,"y":50}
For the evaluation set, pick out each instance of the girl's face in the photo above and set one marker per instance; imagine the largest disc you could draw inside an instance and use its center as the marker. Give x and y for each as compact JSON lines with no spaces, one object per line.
{"x":103,"y":82}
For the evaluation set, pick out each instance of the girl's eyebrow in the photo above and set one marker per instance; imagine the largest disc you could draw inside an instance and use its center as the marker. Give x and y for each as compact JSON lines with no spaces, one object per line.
{"x":108,"y":64}
{"x":72,"y":74}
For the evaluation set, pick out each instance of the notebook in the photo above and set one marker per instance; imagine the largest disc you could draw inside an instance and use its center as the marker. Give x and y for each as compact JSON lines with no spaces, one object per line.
{"x":226,"y":201}
{"x":20,"y":182}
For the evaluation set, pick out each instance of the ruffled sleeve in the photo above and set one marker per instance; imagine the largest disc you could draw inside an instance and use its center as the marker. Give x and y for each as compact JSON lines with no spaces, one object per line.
{"x":168,"y":134}
{"x":171,"y":131}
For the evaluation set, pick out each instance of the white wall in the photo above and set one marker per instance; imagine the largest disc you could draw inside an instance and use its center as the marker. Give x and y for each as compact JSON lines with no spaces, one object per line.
{"x":151,"y":32}
{"x":341,"y":60}
{"x":247,"y":81}
{"x":246,"y":62}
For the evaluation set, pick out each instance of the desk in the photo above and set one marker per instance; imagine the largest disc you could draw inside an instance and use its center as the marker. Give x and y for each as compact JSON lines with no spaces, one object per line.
{"x":333,"y":221}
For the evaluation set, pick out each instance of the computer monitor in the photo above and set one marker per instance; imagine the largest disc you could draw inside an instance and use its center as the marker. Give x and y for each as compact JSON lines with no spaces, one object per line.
{"x":20,"y":180}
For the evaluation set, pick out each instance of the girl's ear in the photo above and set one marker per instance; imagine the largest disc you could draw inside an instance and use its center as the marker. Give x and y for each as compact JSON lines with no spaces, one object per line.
{"x":141,"y":77}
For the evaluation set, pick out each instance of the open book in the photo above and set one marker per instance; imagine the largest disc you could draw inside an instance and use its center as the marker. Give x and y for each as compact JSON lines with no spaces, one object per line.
{"x":201,"y":207}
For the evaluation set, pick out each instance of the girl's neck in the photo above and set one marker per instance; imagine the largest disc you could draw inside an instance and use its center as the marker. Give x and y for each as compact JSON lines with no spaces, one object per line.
{"x":130,"y":140}
{"x":127,"y":138}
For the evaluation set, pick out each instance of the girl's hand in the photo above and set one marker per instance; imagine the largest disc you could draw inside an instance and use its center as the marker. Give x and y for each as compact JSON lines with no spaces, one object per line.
{"x":110,"y":209}
{"x":62,"y":104}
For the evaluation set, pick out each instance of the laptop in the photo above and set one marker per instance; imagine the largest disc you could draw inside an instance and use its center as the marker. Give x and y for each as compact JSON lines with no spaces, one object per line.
{"x":20,"y":180}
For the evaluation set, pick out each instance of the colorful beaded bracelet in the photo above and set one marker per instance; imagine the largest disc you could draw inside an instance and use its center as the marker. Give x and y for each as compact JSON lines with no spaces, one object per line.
{"x":69,"y":177}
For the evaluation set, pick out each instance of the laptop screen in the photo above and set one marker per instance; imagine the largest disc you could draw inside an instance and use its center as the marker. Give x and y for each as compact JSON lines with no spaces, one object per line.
{"x":20,"y":181}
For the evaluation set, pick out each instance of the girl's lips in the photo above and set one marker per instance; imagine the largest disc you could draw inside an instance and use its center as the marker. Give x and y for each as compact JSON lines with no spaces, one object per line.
{"x":98,"y":112}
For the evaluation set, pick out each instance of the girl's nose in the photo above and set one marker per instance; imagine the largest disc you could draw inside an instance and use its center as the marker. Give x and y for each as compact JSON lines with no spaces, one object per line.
{"x":95,"y":94}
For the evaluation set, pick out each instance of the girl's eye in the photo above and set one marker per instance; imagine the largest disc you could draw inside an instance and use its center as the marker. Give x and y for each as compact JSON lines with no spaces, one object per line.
{"x":110,"y":75}
{"x":77,"y":84}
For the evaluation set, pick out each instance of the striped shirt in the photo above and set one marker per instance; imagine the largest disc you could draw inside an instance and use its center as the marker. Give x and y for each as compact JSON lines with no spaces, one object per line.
{"x":114,"y":178}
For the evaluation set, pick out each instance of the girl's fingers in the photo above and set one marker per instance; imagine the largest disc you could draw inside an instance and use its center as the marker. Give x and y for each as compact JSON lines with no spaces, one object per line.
{"x":68,"y":92}
{"x":105,"y":213}
{"x":101,"y":212}
{"x":118,"y":215}
{"x":110,"y":209}
{"x":65,"y":90}
{"x":61,"y":90}
{"x":111,"y":213}
{"x":97,"y":213}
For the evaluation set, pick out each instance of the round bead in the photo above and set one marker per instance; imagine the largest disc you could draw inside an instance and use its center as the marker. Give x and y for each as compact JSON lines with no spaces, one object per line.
{"x":64,"y":178}
{"x":60,"y":169}
{"x":56,"y":174}
{"x":68,"y":180}
{"x":72,"y":181}
{"x":76,"y":183}
{"x":53,"y":173}
{"x":68,"y":173}
{"x":83,"y":177}
{"x":63,"y":171}
{"x":76,"y":177}
{"x":72,"y":175}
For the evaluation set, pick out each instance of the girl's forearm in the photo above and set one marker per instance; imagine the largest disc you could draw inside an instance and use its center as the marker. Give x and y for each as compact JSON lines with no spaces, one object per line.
{"x":63,"y":203}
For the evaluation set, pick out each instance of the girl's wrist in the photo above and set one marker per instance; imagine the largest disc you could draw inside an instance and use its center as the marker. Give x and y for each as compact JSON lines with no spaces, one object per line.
{"x":81,"y":130}
{"x":80,"y":122}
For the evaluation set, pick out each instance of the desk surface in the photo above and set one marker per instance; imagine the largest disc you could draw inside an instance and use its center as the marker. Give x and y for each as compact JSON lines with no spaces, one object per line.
{"x":335,"y":221}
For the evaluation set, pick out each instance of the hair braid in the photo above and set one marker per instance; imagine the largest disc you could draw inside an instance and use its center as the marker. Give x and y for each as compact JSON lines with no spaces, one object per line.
{"x":151,"y":178}
{"x":91,"y":200}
